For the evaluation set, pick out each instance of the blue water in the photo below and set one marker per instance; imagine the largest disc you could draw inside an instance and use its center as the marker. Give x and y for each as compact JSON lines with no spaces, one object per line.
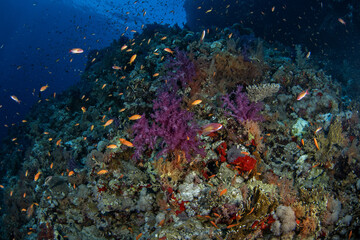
{"x":36,"y":36}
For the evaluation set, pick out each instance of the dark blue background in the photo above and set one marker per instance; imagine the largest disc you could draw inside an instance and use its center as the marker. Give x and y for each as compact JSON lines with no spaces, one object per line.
{"x":37,"y":36}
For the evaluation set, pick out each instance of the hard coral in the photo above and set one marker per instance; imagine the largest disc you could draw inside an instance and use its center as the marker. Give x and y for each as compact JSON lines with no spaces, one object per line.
{"x":241,"y":108}
{"x":172,"y":124}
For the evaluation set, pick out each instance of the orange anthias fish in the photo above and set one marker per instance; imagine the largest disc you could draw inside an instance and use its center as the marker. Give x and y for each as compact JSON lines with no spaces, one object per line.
{"x":13,"y":97}
{"x":116,"y":67}
{"x":135,"y":117}
{"x":318,"y":130}
{"x":223,"y":192}
{"x":168,"y":50}
{"x":108,"y":122}
{"x":196,"y":102}
{"x":76,"y":50}
{"x":341,"y":21}
{"x":112,"y":146}
{"x":211,"y":127}
{"x":43,"y":88}
{"x":101,"y":172}
{"x":126,"y":142}
{"x":37,"y":176}
{"x":132,"y":59}
{"x":202,"y":35}
{"x":302,"y":95}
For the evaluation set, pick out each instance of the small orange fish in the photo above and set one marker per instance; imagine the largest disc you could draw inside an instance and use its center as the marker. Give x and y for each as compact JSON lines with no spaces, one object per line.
{"x":26,"y":173}
{"x":213,"y":224}
{"x":202,"y":35}
{"x":161,"y":223}
{"x":108,"y":122}
{"x":103,"y":86}
{"x":51,"y":165}
{"x":101,"y":172}
{"x":71,"y":173}
{"x":43,"y":88}
{"x":302,"y":95}
{"x":232,"y":225}
{"x":211,"y":127}
{"x":156,"y":74}
{"x":92,"y":127}
{"x":13,"y":97}
{"x":37,"y":176}
{"x":196,"y":102}
{"x":223,"y":192}
{"x":139,"y":236}
{"x":132,"y":59}
{"x":341,"y":21}
{"x":83,"y":109}
{"x":1,"y":186}
{"x":163,"y":38}
{"x":135,"y":117}
{"x":302,"y":142}
{"x":126,"y":143}
{"x":318,"y":130}
{"x":124,"y":47}
{"x":168,"y":50}
{"x":116,"y":67}
{"x":76,"y":50}
{"x":121,"y":110}
{"x":251,"y":211}
{"x":112,"y":146}
{"x":318,"y":164}
{"x":58,"y":142}
{"x":316,"y":144}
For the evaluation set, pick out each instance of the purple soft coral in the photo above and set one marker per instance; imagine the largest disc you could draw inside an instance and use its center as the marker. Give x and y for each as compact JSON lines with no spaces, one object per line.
{"x":184,"y":70}
{"x":144,"y":136}
{"x":242,"y":109}
{"x":172,"y":124}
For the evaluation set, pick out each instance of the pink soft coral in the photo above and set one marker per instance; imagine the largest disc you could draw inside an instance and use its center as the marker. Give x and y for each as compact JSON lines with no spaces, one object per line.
{"x":172,"y":124}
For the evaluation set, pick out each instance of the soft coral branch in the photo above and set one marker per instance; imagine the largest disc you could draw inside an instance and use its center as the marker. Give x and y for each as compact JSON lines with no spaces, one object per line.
{"x":172,"y":124}
{"x":182,"y":70}
{"x":241,"y":108}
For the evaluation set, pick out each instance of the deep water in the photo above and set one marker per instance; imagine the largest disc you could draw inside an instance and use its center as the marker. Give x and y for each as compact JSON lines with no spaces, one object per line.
{"x":36,"y":36}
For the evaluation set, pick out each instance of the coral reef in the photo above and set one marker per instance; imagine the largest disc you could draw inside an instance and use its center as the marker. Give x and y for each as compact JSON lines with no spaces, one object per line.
{"x":211,"y":160}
